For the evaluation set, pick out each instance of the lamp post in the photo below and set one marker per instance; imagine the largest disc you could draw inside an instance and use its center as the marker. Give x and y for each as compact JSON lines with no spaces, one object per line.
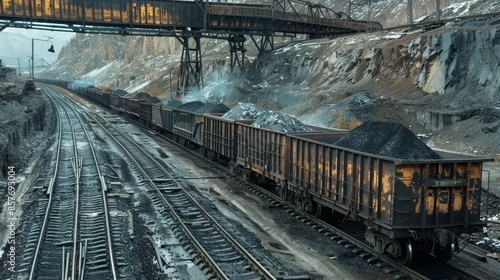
{"x":171,"y":97}
{"x":51,"y":49}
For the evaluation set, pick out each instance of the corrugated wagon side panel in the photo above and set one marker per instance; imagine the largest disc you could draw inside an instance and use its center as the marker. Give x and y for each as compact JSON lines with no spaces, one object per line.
{"x":168,"y":118}
{"x":156,"y":115}
{"x":145,"y":111}
{"x":263,"y":151}
{"x":114,"y":101}
{"x":219,"y":135}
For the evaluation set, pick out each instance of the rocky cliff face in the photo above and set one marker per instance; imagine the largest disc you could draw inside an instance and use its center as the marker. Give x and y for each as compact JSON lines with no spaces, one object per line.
{"x":431,"y":81}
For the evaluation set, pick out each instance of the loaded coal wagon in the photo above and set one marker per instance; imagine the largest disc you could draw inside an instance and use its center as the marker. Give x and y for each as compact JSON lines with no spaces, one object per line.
{"x":189,"y":121}
{"x":262,"y":145}
{"x":262,"y":152}
{"x":156,"y":116}
{"x":220,"y":137}
{"x":410,"y":199}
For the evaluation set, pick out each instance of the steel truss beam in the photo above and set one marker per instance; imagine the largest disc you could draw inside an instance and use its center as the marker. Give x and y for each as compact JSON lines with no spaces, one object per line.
{"x":304,"y":8}
{"x":266,"y":43}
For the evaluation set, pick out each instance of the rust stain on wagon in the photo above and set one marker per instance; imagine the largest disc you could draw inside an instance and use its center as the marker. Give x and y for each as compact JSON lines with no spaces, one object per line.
{"x":457,"y":199}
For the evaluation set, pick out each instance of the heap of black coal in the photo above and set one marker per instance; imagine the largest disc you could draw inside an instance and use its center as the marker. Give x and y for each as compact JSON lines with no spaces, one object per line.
{"x":191,"y":106}
{"x":387,"y":139}
{"x":119,"y":92}
{"x":212,"y":108}
{"x":202,"y":108}
{"x":174,"y":103}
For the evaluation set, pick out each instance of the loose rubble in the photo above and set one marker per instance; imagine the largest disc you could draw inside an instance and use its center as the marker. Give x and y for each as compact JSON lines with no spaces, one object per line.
{"x":244,"y":111}
{"x":280,"y":122}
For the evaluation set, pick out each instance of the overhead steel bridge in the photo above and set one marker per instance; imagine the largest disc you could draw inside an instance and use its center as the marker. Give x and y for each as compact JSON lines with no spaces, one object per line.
{"x":188,"y":21}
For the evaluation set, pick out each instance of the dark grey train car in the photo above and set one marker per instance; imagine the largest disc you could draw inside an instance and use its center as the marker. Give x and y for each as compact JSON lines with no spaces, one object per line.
{"x":156,"y":115}
{"x":188,"y":125}
{"x":145,"y":112}
{"x":400,"y":201}
{"x":262,"y":151}
{"x":168,"y":118}
{"x":219,"y":135}
{"x":114,"y":101}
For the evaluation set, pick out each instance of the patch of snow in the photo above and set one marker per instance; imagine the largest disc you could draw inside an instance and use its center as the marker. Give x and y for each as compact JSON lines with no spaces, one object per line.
{"x":394,"y":35}
{"x":96,"y":72}
{"x":134,"y":88}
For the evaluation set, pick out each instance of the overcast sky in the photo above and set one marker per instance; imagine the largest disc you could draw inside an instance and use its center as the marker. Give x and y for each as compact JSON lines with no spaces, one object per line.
{"x":15,"y":45}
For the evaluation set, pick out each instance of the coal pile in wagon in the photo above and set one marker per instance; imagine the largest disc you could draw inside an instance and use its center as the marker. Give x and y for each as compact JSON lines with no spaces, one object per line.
{"x":191,"y":106}
{"x":119,"y":92}
{"x":142,"y":96}
{"x":174,"y":103}
{"x":387,"y":139}
{"x":212,"y":108}
{"x":278,"y":121}
{"x":153,"y":100}
{"x":244,"y":111}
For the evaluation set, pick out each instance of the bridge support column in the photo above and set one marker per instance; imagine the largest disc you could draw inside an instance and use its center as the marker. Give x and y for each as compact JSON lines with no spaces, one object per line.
{"x":266,"y":41}
{"x":410,"y":12}
{"x":438,"y":9}
{"x":237,"y":50}
{"x":190,"y":72}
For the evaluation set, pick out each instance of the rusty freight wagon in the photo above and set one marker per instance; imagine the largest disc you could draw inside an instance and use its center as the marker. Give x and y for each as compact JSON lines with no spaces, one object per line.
{"x":123,"y":103}
{"x":407,"y":205}
{"x":114,"y":101}
{"x":262,"y":152}
{"x":133,"y":107}
{"x":220,"y":137}
{"x":188,"y":125}
{"x":145,"y":113}
{"x":156,"y":117}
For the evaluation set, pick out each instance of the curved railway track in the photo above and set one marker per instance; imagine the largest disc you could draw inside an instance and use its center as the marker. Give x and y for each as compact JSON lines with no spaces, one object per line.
{"x":225,"y":256}
{"x":72,"y":246}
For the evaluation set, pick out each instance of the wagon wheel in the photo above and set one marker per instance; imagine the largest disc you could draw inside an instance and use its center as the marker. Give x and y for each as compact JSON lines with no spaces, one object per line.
{"x":248,"y":175}
{"x":406,"y":252}
{"x":283,"y":192}
{"x":444,"y":254}
{"x":234,"y":167}
{"x":311,"y":207}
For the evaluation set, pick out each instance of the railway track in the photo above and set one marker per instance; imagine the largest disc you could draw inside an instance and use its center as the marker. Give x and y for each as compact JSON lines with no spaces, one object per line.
{"x":214,"y":246}
{"x":74,"y":239}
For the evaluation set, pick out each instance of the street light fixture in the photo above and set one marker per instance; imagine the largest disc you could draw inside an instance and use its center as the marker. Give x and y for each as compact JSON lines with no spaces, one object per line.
{"x":51,"y":49}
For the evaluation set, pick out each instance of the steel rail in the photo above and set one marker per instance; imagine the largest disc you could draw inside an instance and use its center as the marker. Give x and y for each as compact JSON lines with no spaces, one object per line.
{"x":265,"y":273}
{"x":49,"y":204}
{"x":198,"y":246}
{"x":77,"y":174}
{"x":77,"y":199}
{"x":103,"y":196}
